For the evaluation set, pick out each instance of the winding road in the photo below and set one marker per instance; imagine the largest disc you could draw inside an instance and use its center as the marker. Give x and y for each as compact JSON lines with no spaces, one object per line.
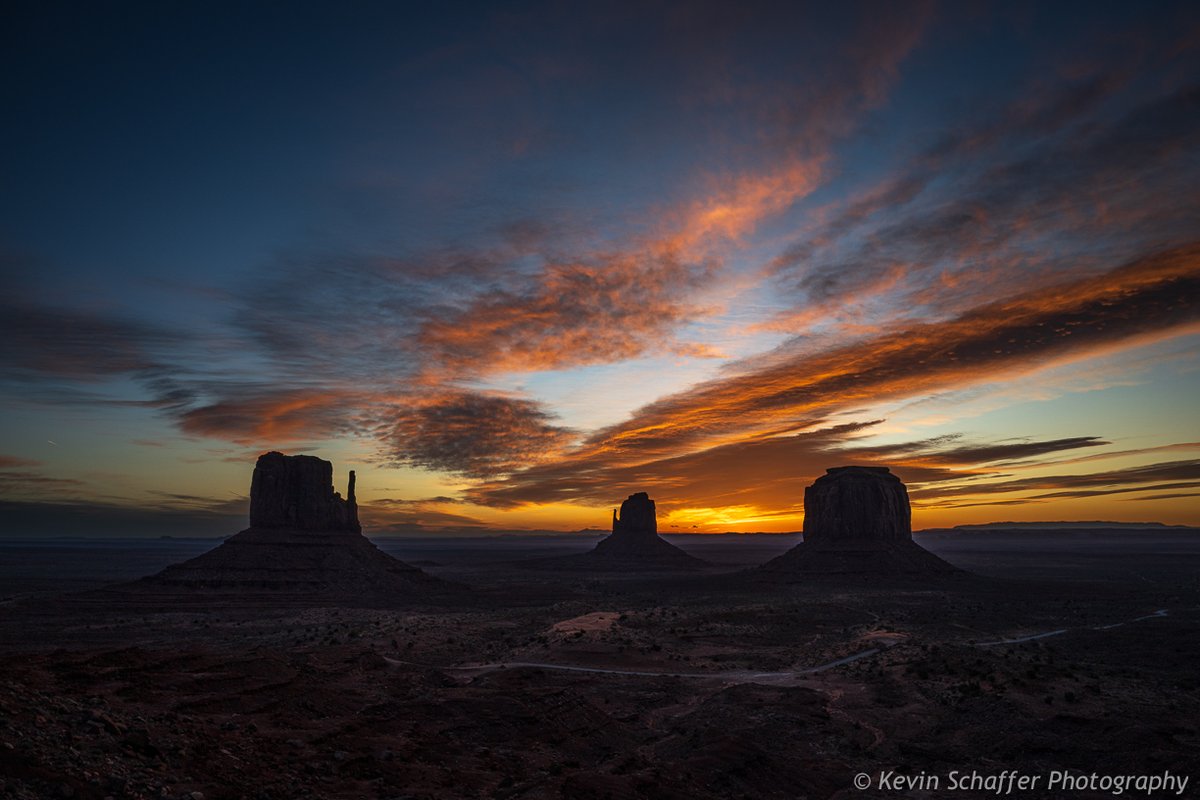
{"x":732,"y":676}
{"x":1162,"y":612}
{"x":780,"y":677}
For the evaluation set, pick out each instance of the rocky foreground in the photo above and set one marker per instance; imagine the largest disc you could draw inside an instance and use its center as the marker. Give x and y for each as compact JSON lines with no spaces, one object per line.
{"x":374,"y":703}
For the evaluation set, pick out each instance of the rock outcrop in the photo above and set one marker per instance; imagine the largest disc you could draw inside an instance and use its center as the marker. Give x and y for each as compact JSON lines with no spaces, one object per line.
{"x":633,"y":546}
{"x":296,"y":492}
{"x":304,"y":544}
{"x":637,"y":518}
{"x":858,"y":520}
{"x":849,"y":503}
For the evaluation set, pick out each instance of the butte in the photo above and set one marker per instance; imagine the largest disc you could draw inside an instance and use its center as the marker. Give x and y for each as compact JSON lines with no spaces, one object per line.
{"x":304,"y":544}
{"x":857,"y":520}
{"x":633,"y":546}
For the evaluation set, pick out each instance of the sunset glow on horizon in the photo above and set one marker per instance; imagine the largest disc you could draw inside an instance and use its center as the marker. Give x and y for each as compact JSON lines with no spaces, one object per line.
{"x":514,"y":263}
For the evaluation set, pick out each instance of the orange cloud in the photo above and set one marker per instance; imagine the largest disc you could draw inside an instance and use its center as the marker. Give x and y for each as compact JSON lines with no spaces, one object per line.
{"x":1149,"y":296}
{"x":740,"y":431}
{"x":608,"y":307}
{"x":602,"y":306}
{"x":271,"y":416}
{"x":605,"y":309}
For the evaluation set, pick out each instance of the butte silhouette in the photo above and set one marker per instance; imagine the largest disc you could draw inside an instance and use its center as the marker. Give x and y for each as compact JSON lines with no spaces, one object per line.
{"x":633,"y":546}
{"x":304,"y":543}
{"x":857,"y":520}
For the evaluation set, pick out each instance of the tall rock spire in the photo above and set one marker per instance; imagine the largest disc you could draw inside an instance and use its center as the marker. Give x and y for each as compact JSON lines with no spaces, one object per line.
{"x":352,"y":505}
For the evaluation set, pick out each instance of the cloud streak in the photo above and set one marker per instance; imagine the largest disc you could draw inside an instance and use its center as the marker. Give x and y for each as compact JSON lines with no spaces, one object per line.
{"x":1155,"y":295}
{"x":757,"y":411}
{"x":996,"y":204}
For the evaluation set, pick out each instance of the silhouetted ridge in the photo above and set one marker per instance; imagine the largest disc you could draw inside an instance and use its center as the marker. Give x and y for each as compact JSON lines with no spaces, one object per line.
{"x":858,"y":520}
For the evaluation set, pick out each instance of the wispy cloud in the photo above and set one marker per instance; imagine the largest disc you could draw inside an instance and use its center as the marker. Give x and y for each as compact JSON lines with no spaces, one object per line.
{"x":1089,"y":167}
{"x":1152,"y":296}
{"x":72,"y":343}
{"x":757,"y":411}
{"x":27,"y":478}
{"x":1149,"y":477}
{"x":394,"y":515}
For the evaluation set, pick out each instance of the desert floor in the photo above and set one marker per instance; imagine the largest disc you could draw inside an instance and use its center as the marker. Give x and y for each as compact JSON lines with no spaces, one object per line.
{"x":1058,"y":651}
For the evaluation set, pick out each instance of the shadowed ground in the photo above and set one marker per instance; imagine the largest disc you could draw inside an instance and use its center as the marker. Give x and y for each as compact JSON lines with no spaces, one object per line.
{"x":545,"y":685}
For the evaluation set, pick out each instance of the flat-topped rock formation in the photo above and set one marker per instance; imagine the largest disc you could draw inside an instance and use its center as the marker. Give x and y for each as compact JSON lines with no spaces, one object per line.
{"x":857,"y":503}
{"x":296,"y":492}
{"x":857,"y":520}
{"x":634,"y":545}
{"x":304,"y":541}
{"x":635,"y":540}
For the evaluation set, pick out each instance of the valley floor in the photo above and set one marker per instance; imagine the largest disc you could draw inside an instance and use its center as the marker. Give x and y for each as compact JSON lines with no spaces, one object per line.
{"x":1053,"y":655}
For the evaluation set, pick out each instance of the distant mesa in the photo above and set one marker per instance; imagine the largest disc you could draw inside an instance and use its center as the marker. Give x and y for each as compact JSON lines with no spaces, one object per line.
{"x":1074,"y":525}
{"x":857,"y":520}
{"x":304,"y":541}
{"x":635,"y":537}
{"x":634,"y":545}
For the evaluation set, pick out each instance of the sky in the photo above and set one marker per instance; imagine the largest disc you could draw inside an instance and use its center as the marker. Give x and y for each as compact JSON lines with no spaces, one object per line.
{"x":513,"y":262}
